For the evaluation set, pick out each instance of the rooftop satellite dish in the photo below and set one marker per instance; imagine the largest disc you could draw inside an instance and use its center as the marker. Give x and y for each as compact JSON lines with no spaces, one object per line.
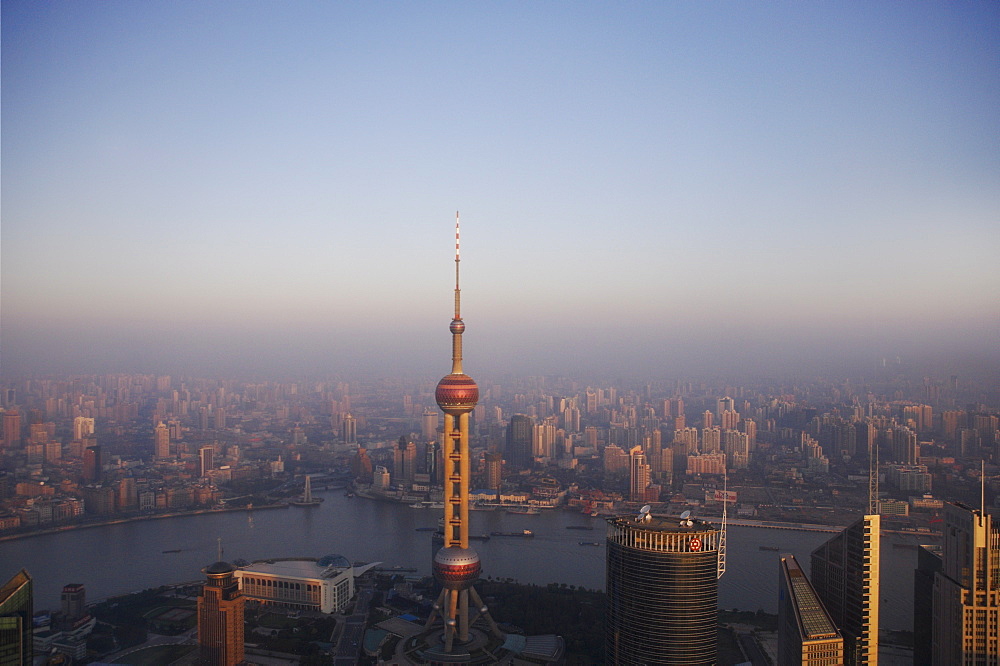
{"x":644,"y":513}
{"x":686,"y":515}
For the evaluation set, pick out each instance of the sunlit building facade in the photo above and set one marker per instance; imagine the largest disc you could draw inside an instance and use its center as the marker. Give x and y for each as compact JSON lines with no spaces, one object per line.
{"x":662,"y":592}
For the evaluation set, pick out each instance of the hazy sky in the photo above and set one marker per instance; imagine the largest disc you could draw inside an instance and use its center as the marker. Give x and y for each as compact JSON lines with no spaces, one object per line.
{"x":644,"y":186}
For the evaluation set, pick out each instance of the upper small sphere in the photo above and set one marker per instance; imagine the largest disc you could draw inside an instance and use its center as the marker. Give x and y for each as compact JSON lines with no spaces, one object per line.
{"x":457,"y":326}
{"x":457,"y":394}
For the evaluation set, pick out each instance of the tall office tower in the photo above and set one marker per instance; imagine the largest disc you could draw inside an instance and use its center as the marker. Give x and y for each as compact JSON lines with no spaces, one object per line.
{"x":82,"y":426}
{"x":349,"y":429}
{"x":966,"y":594}
{"x":220,"y":616}
{"x":404,"y":468}
{"x":494,"y":471}
{"x":161,"y":441}
{"x":220,"y":418}
{"x":93,"y":465}
{"x":662,"y":591}
{"x":806,"y":632}
{"x":520,"y":432}
{"x":429,"y":425}
{"x":16,"y":612}
{"x":456,"y":566}
{"x":845,"y":574}
{"x":206,"y":460}
{"x":12,"y":429}
{"x":73,"y":601}
{"x":638,"y":474}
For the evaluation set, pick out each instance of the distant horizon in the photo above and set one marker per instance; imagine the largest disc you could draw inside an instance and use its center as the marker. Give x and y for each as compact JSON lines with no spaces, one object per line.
{"x":736,"y":187}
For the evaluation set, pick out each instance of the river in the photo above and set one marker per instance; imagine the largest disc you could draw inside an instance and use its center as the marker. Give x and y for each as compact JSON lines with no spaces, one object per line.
{"x":116,"y":559}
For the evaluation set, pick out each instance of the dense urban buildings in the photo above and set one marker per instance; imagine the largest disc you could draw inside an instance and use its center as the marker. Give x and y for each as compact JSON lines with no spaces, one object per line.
{"x":845,"y":575}
{"x":807,"y":636}
{"x":662,"y":587}
{"x":220,"y":616}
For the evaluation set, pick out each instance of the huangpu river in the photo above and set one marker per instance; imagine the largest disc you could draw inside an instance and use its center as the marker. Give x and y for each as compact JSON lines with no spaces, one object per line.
{"x":126,"y":557}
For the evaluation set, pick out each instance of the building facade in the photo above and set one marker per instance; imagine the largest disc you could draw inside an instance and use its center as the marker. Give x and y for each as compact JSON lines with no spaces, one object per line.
{"x":16,"y":612}
{"x":325,"y":585}
{"x":220,"y":617}
{"x":807,"y":635}
{"x":845,"y":575}
{"x":662,"y":591}
{"x":966,"y":592}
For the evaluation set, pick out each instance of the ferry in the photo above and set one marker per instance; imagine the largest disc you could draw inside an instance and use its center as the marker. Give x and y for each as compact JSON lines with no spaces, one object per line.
{"x":591,"y":543}
{"x":579,"y":527}
{"x":524,"y":511}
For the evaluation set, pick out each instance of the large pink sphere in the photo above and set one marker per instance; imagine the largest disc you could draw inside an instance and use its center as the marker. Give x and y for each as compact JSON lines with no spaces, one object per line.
{"x":456,"y":394}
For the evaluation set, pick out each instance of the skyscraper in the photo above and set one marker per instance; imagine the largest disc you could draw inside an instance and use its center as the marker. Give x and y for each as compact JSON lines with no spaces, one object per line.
{"x":16,"y":611}
{"x":638,"y":474}
{"x":806,"y":632}
{"x":456,"y":566}
{"x":12,"y":429}
{"x":206,"y":460}
{"x":662,"y":591}
{"x":845,"y":575}
{"x":520,"y":432}
{"x":966,"y":592}
{"x":220,"y":616}
{"x":161,"y":441}
{"x":93,"y":465}
{"x":349,"y":429}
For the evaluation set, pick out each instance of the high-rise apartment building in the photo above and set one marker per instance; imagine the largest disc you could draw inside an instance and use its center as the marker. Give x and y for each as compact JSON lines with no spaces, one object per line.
{"x":966,"y":591}
{"x":807,"y":635}
{"x":494,"y":470}
{"x":206,"y":460}
{"x":16,"y":612}
{"x":12,"y":429}
{"x":639,"y":474}
{"x":845,"y":575}
{"x":429,"y":425}
{"x":161,"y":441}
{"x":220,"y":616}
{"x":404,"y":462}
{"x":82,"y":426}
{"x":349,"y":429}
{"x":662,"y":591}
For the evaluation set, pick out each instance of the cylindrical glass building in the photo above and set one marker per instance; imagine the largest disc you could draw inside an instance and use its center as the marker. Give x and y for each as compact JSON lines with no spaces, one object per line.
{"x":662,"y":587}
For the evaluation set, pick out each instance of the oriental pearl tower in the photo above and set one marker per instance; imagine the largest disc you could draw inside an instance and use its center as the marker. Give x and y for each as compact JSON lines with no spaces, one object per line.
{"x":456,"y":566}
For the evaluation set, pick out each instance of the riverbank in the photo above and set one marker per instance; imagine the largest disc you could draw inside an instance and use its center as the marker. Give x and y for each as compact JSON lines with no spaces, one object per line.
{"x":131,"y":519}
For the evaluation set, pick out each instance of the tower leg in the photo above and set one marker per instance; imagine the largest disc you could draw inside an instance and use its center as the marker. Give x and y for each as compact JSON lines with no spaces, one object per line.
{"x":485,"y":612}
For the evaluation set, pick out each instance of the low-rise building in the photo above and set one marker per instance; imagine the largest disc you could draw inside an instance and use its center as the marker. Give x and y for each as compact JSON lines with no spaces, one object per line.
{"x":325,"y":585}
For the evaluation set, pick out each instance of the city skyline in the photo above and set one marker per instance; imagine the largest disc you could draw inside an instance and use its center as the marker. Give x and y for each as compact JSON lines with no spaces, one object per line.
{"x":265,"y":189}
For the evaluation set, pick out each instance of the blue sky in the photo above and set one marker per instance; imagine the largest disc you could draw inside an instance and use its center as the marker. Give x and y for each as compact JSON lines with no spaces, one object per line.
{"x":221,"y":186}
